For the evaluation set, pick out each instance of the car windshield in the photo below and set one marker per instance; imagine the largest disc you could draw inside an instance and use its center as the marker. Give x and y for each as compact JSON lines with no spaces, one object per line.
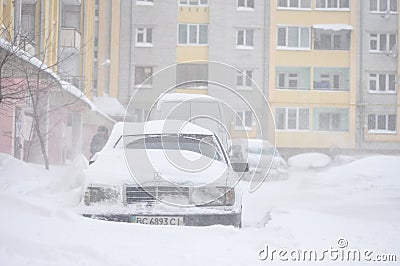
{"x":205,"y":145}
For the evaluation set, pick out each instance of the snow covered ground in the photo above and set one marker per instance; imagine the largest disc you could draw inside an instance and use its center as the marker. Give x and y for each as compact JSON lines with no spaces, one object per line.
{"x":357,"y":204}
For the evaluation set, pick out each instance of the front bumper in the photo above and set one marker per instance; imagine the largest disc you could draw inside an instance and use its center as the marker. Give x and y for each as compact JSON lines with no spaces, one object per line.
{"x":234,"y":218}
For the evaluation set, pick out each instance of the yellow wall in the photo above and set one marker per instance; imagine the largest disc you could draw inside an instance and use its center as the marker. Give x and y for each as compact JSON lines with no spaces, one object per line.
{"x":49,"y":33}
{"x":193,"y":14}
{"x":7,"y":14}
{"x":88,"y":45}
{"x":191,"y":53}
{"x":115,"y":25}
{"x":102,"y":71}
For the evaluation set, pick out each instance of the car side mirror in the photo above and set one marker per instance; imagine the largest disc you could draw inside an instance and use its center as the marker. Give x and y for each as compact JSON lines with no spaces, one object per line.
{"x":240,"y":167}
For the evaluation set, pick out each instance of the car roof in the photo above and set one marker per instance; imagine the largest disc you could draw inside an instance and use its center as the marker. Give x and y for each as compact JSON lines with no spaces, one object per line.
{"x":159,"y":127}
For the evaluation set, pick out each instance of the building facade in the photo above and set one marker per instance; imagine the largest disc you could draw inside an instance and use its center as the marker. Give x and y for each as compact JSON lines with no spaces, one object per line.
{"x":191,"y":39}
{"x":313,"y":70}
{"x":378,"y":97}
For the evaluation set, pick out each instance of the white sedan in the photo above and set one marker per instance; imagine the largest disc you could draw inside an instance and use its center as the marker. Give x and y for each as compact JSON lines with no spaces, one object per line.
{"x":165,"y":173}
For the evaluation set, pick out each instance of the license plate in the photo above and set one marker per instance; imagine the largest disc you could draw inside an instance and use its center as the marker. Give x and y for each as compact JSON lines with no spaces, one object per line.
{"x":157,"y":220}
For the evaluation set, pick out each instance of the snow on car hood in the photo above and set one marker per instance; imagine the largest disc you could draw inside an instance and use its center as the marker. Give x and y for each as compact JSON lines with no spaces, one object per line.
{"x":180,"y":167}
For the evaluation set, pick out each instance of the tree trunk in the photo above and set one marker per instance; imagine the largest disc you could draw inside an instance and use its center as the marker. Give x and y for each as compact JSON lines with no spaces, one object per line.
{"x":41,"y":142}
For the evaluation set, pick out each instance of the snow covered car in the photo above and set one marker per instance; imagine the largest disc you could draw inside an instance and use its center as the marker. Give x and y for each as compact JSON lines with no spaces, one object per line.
{"x":262,"y":157}
{"x":163,"y":172}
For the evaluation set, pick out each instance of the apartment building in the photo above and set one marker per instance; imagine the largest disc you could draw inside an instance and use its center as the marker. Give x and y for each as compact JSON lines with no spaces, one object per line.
{"x":313,"y":70}
{"x":147,"y":36}
{"x":327,"y":67}
{"x":378,"y":97}
{"x":60,"y":35}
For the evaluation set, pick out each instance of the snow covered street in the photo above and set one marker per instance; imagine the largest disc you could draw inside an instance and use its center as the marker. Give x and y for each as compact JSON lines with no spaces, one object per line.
{"x":357,"y":203}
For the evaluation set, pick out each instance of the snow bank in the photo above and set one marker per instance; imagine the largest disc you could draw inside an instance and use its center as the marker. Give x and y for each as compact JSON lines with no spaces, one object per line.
{"x":311,"y":210}
{"x":61,"y":185}
{"x":309,"y":160}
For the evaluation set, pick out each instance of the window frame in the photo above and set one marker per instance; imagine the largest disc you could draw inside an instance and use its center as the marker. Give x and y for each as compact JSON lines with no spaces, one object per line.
{"x":344,"y":45}
{"x":244,"y":46}
{"x":145,"y":36}
{"x":244,"y":76}
{"x":245,"y":7}
{"x":242,"y":117}
{"x":376,"y":129}
{"x":188,"y":27}
{"x":376,"y":79}
{"x":331,"y":80}
{"x":338,"y":8}
{"x":388,"y":7}
{"x":299,"y":41}
{"x":288,"y":7}
{"x":287,"y":80}
{"x":149,"y":83}
{"x":377,"y":39}
{"x":286,"y":118}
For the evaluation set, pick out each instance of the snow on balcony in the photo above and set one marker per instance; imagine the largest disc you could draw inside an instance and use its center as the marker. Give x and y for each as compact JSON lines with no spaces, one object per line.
{"x":334,"y":27}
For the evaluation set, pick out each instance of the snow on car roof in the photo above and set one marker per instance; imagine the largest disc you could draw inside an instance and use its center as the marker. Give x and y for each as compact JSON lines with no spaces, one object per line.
{"x":174,"y":97}
{"x":161,"y":127}
{"x":253,"y":142}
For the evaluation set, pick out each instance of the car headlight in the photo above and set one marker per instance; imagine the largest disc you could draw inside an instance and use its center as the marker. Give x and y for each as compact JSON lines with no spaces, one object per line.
{"x":213,"y":196}
{"x":99,"y":193}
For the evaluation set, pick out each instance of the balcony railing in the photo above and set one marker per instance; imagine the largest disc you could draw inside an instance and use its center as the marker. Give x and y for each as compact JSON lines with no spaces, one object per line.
{"x":70,"y":38}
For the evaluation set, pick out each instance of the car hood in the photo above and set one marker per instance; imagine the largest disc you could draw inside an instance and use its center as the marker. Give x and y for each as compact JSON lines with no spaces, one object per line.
{"x":146,"y":167}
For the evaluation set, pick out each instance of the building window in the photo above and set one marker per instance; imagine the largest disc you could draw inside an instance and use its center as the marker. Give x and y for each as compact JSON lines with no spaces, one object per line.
{"x":244,"y":79}
{"x":331,"y":119}
{"x":245,"y":39}
{"x":382,"y":83}
{"x":245,"y":4}
{"x":382,"y":6}
{"x":292,"y":118}
{"x":193,"y":34}
{"x":143,"y":77}
{"x":295,"y":4}
{"x":382,"y":43}
{"x":293,"y":78}
{"x":381,"y":123}
{"x":145,"y":2}
{"x":331,"y":40}
{"x":193,"y":2}
{"x":332,"y":79}
{"x":192,"y":75}
{"x":293,"y":37}
{"x":244,"y":120}
{"x":332,"y":4}
{"x":144,"y":37}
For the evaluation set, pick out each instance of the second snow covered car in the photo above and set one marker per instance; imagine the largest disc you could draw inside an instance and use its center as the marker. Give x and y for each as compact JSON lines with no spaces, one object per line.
{"x":165,"y":173}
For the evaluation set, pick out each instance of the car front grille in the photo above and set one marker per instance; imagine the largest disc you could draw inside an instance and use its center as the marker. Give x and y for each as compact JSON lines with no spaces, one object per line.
{"x":153,"y":193}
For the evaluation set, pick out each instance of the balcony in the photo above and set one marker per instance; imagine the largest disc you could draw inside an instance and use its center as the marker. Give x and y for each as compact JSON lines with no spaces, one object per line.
{"x":70,"y":38}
